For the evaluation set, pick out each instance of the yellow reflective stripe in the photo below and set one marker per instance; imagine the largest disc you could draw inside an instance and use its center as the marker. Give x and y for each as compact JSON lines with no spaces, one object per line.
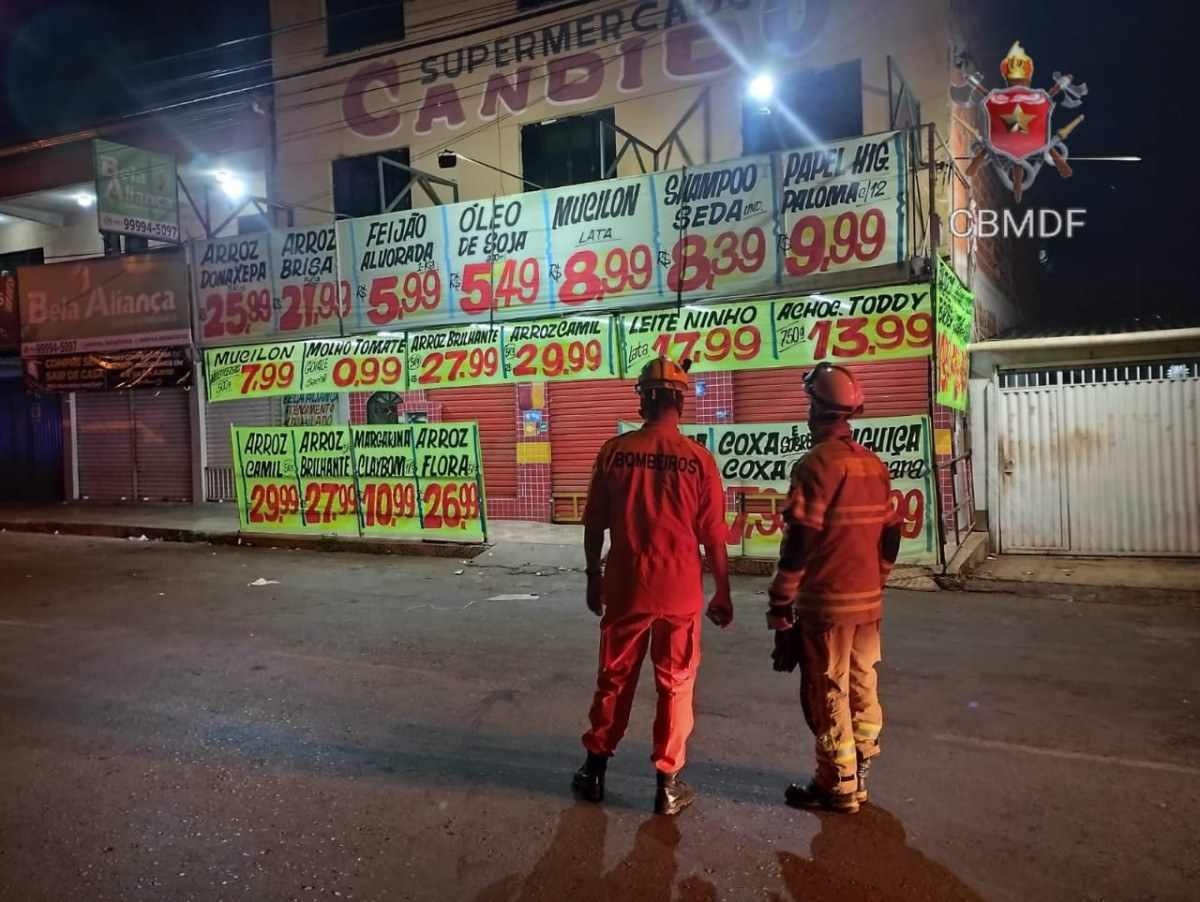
{"x":845,"y":753}
{"x":841,"y":596}
{"x":864,"y":730}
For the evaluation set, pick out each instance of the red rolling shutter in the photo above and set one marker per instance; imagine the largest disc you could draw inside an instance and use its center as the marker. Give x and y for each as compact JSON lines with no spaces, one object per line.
{"x":893,"y":388}
{"x":494,"y":408}
{"x":583,"y":415}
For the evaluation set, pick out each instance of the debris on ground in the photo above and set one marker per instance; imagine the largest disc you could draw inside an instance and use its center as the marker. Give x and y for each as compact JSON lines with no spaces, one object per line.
{"x":514,"y":596}
{"x":264,"y":582}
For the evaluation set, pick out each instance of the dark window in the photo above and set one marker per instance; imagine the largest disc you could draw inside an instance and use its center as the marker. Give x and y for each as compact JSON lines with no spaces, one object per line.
{"x":251,"y":223}
{"x":568,"y":151}
{"x":808,"y":107}
{"x":371,"y":184}
{"x":353,"y":24}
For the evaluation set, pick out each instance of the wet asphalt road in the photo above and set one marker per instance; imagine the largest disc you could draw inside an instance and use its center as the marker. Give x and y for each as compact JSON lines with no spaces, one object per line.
{"x":376,"y":728}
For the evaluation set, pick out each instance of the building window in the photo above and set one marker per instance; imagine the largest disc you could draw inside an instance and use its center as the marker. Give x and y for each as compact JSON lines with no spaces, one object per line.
{"x":568,"y":151}
{"x":353,"y":24}
{"x":808,"y":107}
{"x":371,"y":184}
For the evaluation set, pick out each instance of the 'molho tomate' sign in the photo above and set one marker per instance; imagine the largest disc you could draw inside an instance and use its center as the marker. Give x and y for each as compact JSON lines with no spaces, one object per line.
{"x":107,"y":304}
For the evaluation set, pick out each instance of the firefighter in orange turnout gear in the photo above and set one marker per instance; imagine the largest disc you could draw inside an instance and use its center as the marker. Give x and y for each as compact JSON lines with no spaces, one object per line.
{"x":826,"y":601}
{"x":660,"y":497}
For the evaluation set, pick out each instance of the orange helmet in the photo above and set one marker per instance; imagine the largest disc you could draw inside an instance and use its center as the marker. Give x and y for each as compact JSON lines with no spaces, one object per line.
{"x":662,"y":372}
{"x":834,"y":388}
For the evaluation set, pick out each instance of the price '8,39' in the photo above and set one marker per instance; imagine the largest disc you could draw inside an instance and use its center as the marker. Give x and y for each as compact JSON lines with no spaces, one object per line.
{"x":694,"y":266}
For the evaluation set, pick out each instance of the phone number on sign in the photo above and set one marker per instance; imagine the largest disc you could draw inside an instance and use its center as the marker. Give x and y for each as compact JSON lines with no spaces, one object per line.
{"x":163,"y":230}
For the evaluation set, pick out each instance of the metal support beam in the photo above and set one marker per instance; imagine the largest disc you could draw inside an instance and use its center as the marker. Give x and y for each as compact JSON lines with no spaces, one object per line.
{"x":44,"y":217}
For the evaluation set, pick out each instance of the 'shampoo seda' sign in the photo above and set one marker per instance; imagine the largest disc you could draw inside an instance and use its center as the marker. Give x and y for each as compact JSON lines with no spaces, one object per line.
{"x":106,"y":304}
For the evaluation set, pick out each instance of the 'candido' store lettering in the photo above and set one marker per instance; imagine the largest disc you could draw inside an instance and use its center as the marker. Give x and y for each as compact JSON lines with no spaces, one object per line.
{"x":569,"y":62}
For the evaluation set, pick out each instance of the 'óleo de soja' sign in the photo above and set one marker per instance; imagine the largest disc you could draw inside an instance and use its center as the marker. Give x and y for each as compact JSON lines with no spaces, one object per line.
{"x":498,"y":259}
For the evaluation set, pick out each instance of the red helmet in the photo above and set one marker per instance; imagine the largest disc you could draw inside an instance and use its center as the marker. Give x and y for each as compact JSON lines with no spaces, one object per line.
{"x":834,"y":388}
{"x":662,"y":372}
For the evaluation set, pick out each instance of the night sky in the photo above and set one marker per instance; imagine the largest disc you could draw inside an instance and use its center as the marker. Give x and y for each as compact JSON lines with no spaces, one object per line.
{"x":67,"y":64}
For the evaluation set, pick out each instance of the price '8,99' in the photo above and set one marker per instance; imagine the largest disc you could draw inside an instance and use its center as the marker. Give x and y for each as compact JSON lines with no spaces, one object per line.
{"x":589,"y":277}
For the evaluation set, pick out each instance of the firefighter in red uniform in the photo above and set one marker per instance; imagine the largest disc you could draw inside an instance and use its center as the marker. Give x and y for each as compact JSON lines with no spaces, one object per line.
{"x":840,"y":542}
{"x":659,"y":495}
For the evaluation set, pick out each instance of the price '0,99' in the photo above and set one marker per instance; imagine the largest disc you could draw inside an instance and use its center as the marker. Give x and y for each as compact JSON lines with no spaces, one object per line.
{"x":585,"y":278}
{"x":261,"y":377}
{"x":462,"y":365}
{"x":553,"y":360}
{"x":852,"y":339}
{"x":386,"y":502}
{"x":392,"y":298}
{"x":349,"y":371}
{"x":718,"y":343}
{"x":812,"y":249}
{"x":450,"y":504}
{"x":236,"y":312}
{"x":323,"y":501}
{"x":272,"y":502}
{"x":692,"y":267}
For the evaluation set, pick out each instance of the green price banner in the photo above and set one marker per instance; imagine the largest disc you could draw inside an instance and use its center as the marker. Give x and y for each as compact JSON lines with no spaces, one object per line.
{"x":955,"y":320}
{"x":853,"y":326}
{"x":448,"y":358}
{"x":756,"y":459}
{"x":413,"y":481}
{"x":561,"y":349}
{"x":720,"y":337}
{"x":268,"y":492}
{"x":362,"y":363}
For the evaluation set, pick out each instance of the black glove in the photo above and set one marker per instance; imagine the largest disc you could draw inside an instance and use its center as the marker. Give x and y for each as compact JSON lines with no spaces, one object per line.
{"x":786,"y":654}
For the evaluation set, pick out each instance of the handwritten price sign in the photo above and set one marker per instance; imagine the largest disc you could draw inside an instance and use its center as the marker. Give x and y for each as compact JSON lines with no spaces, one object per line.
{"x":717,"y":228}
{"x":354,"y":364}
{"x":567,"y":349}
{"x":721,"y":337}
{"x":233,"y":287}
{"x":849,"y":327}
{"x":955,"y":320}
{"x":455,"y":357}
{"x":449,"y":473}
{"x":842,"y":206}
{"x":497,"y":253}
{"x":268,"y":494}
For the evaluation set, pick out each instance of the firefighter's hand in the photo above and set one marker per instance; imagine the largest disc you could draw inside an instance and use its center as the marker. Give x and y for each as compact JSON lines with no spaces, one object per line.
{"x":720,"y":608}
{"x":780,"y":616}
{"x":595,"y":594}
{"x":786,"y":654}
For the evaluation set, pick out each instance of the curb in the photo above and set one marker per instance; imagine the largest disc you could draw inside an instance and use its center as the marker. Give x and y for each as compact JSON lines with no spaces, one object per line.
{"x":1073,"y":592}
{"x":169,"y":534}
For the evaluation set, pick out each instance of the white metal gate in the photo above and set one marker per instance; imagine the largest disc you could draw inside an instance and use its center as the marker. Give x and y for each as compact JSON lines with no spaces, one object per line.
{"x":1100,"y":459}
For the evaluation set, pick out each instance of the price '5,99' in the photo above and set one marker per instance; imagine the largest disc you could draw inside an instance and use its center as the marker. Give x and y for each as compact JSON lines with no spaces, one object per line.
{"x":393,"y":298}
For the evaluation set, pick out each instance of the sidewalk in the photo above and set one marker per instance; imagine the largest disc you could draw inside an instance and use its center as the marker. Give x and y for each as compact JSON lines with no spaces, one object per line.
{"x":1119,"y":580}
{"x":514,"y":544}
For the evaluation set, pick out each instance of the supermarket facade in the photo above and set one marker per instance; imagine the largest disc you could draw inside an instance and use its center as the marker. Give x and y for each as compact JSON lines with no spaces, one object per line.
{"x":497,"y":215}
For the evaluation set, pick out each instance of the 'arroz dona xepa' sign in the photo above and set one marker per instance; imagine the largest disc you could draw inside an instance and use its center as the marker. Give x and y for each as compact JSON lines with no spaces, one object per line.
{"x":412,"y":481}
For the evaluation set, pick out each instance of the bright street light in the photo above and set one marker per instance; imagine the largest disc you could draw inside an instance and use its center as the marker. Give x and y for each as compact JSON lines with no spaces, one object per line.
{"x":761,"y":87}
{"x":233,"y":186}
{"x":84,"y":199}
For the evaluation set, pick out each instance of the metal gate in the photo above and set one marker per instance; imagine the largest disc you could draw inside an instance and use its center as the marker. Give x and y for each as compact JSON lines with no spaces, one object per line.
{"x":1100,"y":459}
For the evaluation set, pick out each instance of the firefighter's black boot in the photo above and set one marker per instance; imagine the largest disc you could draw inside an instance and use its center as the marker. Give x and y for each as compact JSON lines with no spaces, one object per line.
{"x":864,"y":770}
{"x":588,"y":781}
{"x":811,"y":796}
{"x":673,"y":794}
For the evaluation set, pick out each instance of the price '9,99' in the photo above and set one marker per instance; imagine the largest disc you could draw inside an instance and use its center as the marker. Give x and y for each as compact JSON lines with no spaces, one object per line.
{"x":814,"y":247}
